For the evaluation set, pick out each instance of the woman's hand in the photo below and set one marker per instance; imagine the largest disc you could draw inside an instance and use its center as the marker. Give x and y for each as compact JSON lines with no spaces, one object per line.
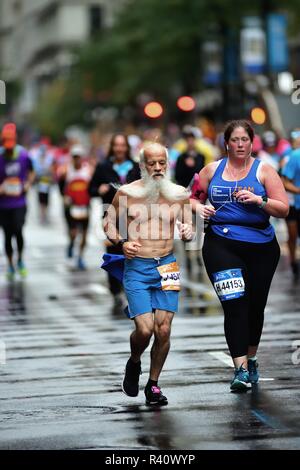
{"x":103,"y":189}
{"x":206,"y":212}
{"x":247,"y":197}
{"x":67,"y":201}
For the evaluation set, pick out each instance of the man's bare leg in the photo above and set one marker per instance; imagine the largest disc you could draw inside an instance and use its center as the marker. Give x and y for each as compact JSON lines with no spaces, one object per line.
{"x":140,"y":337}
{"x":139,"y":340}
{"x":161,"y":345}
{"x":159,"y":352}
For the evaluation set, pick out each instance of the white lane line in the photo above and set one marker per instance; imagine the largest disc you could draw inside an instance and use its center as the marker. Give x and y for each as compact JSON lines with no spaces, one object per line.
{"x":61,"y":268}
{"x":265,"y":379}
{"x":222,"y":357}
{"x":228,"y":362}
{"x":98,"y":289}
{"x":2,"y":352}
{"x":37,"y":253}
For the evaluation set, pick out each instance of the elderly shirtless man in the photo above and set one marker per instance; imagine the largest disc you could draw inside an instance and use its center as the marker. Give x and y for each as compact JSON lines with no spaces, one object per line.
{"x":148,"y":210}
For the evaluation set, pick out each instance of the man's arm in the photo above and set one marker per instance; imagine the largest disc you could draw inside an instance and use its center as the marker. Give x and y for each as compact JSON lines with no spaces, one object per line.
{"x":290,"y":186}
{"x":115,"y":217}
{"x":185,"y":222}
{"x":111,"y":221}
{"x":30,"y":176}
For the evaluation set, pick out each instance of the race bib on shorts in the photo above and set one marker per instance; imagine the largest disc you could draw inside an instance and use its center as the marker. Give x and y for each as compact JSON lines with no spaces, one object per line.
{"x":44,"y":185}
{"x":79,"y":212}
{"x":13,"y":187}
{"x":229,"y":284}
{"x":170,"y":276}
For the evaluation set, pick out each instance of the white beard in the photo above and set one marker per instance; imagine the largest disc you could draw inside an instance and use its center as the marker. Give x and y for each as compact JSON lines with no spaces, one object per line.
{"x":153,"y":188}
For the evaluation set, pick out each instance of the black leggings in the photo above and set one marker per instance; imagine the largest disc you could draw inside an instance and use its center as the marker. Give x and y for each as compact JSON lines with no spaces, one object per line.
{"x":8,"y":242}
{"x":12,"y":221}
{"x":243,"y":316}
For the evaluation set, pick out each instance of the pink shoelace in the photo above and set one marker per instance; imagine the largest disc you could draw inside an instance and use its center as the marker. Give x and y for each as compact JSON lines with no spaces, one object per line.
{"x":155,"y":389}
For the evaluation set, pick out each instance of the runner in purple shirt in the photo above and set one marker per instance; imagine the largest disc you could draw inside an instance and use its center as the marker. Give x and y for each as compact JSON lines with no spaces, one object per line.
{"x":16,"y":176}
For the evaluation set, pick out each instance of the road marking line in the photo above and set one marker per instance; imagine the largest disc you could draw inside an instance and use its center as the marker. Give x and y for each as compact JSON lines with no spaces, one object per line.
{"x":61,"y":268}
{"x":37,"y":253}
{"x":98,"y":289}
{"x":226,"y":359}
{"x":222,"y":357}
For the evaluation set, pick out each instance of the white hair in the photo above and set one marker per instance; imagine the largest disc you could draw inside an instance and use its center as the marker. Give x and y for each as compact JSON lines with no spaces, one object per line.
{"x":154,"y":146}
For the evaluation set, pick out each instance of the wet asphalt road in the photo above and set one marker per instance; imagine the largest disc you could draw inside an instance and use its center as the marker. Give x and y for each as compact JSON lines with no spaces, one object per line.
{"x":66,"y":350}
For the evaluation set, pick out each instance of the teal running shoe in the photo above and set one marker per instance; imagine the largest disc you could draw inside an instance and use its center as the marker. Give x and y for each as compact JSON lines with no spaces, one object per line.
{"x":240,"y":380}
{"x":10,"y":273}
{"x":253,"y":372}
{"x":21,"y":268}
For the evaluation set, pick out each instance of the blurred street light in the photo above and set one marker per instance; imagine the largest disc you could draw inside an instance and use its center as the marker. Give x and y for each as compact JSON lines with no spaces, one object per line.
{"x":186,"y":103}
{"x":258,"y":116}
{"x":153,"y":110}
{"x":285,"y":82}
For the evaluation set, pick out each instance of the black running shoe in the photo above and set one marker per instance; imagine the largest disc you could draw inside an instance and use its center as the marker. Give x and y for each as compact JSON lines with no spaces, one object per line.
{"x":130,"y":385}
{"x":295,"y":270}
{"x":155,"y":397}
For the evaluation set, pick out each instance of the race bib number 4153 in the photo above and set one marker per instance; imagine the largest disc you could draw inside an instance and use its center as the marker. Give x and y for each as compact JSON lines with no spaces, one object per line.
{"x":229,"y":284}
{"x":170,"y":276}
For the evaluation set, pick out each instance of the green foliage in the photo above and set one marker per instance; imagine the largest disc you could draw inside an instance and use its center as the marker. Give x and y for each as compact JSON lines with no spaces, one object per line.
{"x":59,"y":106}
{"x":154,"y":47}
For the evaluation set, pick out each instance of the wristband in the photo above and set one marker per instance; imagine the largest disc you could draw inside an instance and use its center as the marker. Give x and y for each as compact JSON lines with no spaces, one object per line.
{"x":121,"y":242}
{"x":264,"y":202}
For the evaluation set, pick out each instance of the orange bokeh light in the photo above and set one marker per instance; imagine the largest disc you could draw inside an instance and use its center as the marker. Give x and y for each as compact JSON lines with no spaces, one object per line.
{"x":258,"y":116}
{"x":153,"y":110}
{"x":186,"y":103}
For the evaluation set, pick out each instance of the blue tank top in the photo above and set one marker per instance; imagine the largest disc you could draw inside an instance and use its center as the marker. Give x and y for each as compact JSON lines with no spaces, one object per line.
{"x":235,"y":220}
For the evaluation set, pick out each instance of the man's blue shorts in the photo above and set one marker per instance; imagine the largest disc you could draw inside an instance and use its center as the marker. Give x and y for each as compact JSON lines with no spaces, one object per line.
{"x":142,"y":284}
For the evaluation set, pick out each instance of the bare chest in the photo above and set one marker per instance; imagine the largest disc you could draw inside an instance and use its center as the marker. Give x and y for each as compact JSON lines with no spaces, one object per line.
{"x":160,"y":211}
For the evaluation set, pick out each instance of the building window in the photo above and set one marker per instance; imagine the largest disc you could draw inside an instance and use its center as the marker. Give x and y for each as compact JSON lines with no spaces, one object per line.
{"x":95,"y":19}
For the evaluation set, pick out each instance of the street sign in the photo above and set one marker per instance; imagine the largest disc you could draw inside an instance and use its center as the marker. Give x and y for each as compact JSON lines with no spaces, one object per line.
{"x":277,"y":42}
{"x":212,"y":63}
{"x":253,"y":46}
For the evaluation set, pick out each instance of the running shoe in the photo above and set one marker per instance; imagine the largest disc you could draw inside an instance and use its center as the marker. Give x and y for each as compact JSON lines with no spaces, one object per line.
{"x":240,"y":380}
{"x":253,"y":372}
{"x":81,"y":264}
{"x":295,"y":271}
{"x":10,"y":273}
{"x":130,"y":385}
{"x":155,"y":397}
{"x":70,"y":251}
{"x":21,"y":268}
